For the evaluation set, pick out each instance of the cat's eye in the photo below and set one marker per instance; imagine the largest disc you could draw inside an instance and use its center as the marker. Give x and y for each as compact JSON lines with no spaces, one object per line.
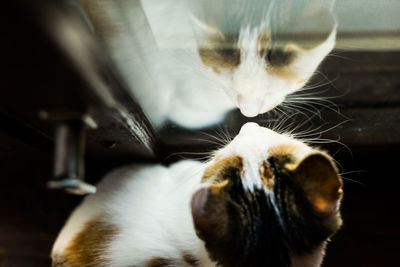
{"x":228,"y":52}
{"x":227,"y":58}
{"x":268,"y":55}
{"x":278,"y":57}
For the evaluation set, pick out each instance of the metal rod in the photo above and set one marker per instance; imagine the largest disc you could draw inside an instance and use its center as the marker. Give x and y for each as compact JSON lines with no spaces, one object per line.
{"x":69,"y":158}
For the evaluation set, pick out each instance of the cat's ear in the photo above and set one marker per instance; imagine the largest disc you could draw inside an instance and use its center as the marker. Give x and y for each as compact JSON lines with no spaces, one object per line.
{"x":210,"y":214}
{"x":318,"y":177}
{"x":205,"y":31}
{"x":217,"y":223}
{"x":314,"y":26}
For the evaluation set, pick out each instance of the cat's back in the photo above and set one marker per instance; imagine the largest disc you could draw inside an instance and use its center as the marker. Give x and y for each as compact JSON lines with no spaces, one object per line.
{"x":128,"y":221}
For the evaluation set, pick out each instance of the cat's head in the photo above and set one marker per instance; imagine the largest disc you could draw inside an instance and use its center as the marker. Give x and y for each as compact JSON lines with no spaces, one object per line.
{"x":257,"y":65}
{"x":268,"y":200}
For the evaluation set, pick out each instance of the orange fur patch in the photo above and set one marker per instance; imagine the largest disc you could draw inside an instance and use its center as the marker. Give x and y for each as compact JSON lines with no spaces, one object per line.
{"x":211,"y":173}
{"x":216,"y":188}
{"x":284,"y":150}
{"x":284,"y":72}
{"x":86,"y":248}
{"x":220,"y":52}
{"x":266,"y":175}
{"x":223,"y":58}
{"x":190,"y":259}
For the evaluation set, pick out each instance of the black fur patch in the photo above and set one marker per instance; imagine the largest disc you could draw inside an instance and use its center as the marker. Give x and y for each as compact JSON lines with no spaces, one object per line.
{"x":278,"y":57}
{"x":267,"y":228}
{"x":255,"y":235}
{"x":305,"y":228}
{"x":221,"y":52}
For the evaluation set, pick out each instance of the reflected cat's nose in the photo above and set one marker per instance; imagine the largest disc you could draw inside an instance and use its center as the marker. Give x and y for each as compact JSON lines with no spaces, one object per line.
{"x":249,"y":107}
{"x":249,"y":127}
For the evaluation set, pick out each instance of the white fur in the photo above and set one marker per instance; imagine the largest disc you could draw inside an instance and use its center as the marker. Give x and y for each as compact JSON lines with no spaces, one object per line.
{"x":150,"y":204}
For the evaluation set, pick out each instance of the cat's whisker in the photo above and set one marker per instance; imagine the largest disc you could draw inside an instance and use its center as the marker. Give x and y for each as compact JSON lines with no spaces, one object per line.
{"x":310,"y":131}
{"x":304,"y":107}
{"x":325,"y":103}
{"x":305,"y":110}
{"x":281,"y":110}
{"x":320,"y":83}
{"x":347,"y":149}
{"x":337,"y":53}
{"x":273,"y":123}
{"x":221,"y":139}
{"x":289,"y":129}
{"x":319,"y":140}
{"x":355,"y":171}
{"x":319,"y":94}
{"x":352,"y":180}
{"x":181,"y":155}
{"x":313,"y":131}
{"x":206,"y":153}
{"x":291,"y":107}
{"x":281,"y":123}
{"x":328,"y":81}
{"x":315,"y":101}
{"x":328,"y":129}
{"x":218,"y":143}
{"x":338,"y":151}
{"x":307,"y":105}
{"x":308,"y":98}
{"x":224,"y":134}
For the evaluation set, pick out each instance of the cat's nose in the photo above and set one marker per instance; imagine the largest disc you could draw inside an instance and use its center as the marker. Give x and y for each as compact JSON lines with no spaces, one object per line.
{"x":249,"y":110}
{"x":249,"y":107}
{"x":249,"y":127}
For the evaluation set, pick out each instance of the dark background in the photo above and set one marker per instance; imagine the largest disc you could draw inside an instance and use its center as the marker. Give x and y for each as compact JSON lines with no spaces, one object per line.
{"x":36,"y":74}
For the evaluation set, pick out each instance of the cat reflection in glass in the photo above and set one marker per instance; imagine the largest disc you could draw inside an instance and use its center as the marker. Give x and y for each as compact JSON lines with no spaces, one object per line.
{"x":190,"y":61}
{"x":265,"y":199}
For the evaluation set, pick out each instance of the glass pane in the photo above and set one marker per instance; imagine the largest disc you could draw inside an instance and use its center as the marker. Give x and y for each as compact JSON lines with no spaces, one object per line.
{"x":195,"y":64}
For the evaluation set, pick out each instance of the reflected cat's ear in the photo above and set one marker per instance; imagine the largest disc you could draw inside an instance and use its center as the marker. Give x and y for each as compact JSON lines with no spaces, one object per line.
{"x":319,"y":179}
{"x":307,"y":59}
{"x":315,"y":30}
{"x":205,"y":31}
{"x":210,"y":214}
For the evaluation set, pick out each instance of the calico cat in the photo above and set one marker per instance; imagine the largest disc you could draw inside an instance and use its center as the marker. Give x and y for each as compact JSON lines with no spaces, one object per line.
{"x":191,"y":61}
{"x":265,"y":199}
